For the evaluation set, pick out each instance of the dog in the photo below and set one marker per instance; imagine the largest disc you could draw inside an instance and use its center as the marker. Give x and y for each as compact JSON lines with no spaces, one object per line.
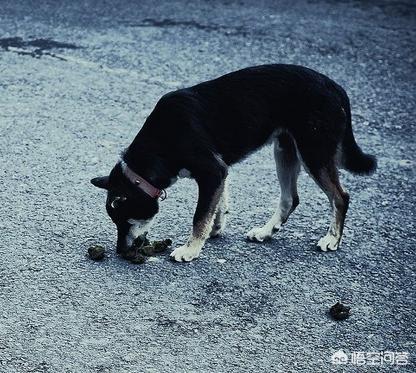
{"x":201,"y":131}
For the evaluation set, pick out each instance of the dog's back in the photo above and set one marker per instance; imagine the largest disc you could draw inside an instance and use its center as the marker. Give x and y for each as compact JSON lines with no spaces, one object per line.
{"x":239,"y":112}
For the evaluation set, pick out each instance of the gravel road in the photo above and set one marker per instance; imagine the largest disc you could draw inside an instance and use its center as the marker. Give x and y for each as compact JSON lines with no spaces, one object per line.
{"x":78,"y":78}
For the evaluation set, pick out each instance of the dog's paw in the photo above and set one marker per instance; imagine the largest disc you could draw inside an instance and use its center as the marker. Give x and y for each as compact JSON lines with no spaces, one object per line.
{"x":185,"y":253}
{"x":329,"y":242}
{"x":259,"y":234}
{"x":216,"y":230}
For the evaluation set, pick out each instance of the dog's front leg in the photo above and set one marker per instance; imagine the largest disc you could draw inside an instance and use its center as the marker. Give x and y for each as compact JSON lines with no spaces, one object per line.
{"x":210,"y":190}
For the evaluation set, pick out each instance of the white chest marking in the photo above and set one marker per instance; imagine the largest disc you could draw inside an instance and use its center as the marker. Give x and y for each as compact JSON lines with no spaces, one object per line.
{"x":138,"y":227}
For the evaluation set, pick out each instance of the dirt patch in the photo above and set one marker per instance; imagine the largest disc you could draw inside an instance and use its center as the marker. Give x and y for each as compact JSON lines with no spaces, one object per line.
{"x":35,"y":47}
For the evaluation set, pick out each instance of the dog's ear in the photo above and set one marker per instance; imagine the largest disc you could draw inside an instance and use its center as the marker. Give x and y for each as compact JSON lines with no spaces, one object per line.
{"x":101,"y":182}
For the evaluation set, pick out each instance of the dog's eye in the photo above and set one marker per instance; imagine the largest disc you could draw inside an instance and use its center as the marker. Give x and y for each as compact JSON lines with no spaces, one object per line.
{"x":117,"y":201}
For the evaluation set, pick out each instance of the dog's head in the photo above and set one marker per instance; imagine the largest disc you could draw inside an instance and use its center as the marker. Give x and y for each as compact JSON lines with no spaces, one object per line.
{"x":129,"y":208}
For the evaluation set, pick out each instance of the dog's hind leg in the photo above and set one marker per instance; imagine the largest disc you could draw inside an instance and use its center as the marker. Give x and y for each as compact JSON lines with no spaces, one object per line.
{"x":328,"y":180}
{"x":221,"y":214}
{"x":288,"y":168}
{"x":318,"y":136}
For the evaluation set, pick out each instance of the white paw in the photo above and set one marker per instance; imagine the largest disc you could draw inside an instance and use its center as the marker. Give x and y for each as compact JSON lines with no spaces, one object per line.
{"x":329,"y":242}
{"x":259,"y":234}
{"x":185,"y":253}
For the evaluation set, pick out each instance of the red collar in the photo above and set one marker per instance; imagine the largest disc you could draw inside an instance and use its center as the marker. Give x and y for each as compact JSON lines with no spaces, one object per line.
{"x":141,"y":183}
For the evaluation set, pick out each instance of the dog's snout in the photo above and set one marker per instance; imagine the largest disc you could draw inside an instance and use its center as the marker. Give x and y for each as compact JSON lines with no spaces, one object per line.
{"x":122,"y":236}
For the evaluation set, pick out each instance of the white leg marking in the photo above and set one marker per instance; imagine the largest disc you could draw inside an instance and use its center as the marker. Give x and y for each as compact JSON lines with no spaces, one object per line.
{"x":276,"y":221}
{"x":200,"y":232}
{"x":265,"y":232}
{"x":332,"y":239}
{"x":221,"y":214}
{"x":288,"y":168}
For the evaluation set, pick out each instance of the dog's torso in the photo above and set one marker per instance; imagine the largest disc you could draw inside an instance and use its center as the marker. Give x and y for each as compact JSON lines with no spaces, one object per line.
{"x":239,"y":112}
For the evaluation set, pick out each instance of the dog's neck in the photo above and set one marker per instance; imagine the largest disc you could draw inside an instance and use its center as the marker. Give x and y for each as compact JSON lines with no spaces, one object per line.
{"x":152,"y":167}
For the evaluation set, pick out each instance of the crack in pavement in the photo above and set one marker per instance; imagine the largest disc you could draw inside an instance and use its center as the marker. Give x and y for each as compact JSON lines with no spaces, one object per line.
{"x":41,"y":44}
{"x":168,"y":22}
{"x":22,"y":47}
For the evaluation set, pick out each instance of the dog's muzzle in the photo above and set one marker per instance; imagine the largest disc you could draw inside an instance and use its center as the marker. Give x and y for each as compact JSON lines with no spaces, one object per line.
{"x":123,"y":230}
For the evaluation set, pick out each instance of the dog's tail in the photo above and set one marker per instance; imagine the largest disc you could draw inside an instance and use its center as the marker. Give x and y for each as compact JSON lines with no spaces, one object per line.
{"x":353,"y":158}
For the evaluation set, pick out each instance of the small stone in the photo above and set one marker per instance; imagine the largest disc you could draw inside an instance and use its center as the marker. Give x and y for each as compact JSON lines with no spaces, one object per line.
{"x":339,"y":311}
{"x":153,"y":259}
{"x":96,"y":252}
{"x":405,"y":163}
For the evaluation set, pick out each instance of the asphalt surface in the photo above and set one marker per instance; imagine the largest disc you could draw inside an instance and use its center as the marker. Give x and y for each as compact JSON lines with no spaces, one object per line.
{"x":68,"y":109}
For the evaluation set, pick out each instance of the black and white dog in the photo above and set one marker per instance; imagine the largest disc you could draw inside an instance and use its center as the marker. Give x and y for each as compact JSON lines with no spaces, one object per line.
{"x":202,"y":130}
